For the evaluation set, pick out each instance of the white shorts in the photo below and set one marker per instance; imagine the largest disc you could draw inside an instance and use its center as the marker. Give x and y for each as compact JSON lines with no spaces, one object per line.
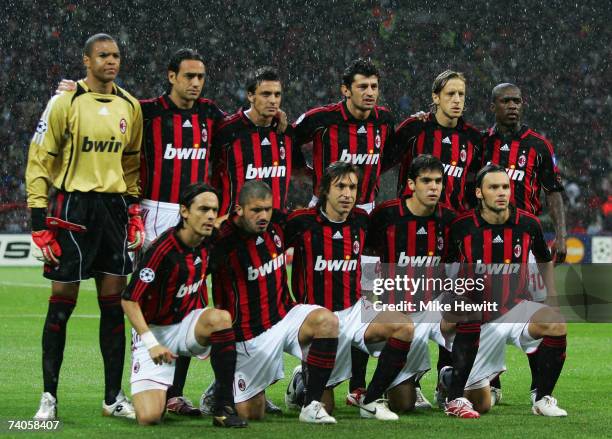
{"x":512,"y":329}
{"x":536,"y":281}
{"x":354,"y":322}
{"x":158,"y":217}
{"x":259,"y":361}
{"x":179,"y":338}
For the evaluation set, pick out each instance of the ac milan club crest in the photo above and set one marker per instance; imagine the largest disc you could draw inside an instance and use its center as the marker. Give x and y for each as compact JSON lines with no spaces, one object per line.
{"x":278,"y":241}
{"x":377,"y":141}
{"x":241,"y":385}
{"x":122,"y":125}
{"x":517,"y":250}
{"x":356,"y":247}
{"x":281,"y":152}
{"x":440,"y":243}
{"x":204,"y":135}
{"x":463,"y":155}
{"x":522,"y":160}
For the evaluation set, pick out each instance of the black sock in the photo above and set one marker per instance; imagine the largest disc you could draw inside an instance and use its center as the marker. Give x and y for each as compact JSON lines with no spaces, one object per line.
{"x":465,"y":348}
{"x":495,"y":382}
{"x":181,"y":367}
{"x":319,"y":364}
{"x":223,"y":362}
{"x":54,"y":339}
{"x":551,"y":356}
{"x":444,"y":358}
{"x":112,"y":344}
{"x":359,"y":366}
{"x":391,"y":361}
{"x":533,"y":366}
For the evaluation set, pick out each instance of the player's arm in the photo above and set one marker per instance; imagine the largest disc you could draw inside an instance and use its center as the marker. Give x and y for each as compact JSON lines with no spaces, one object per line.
{"x":544,"y":260}
{"x":159,"y":353}
{"x":551,"y":182}
{"x":393,"y":151}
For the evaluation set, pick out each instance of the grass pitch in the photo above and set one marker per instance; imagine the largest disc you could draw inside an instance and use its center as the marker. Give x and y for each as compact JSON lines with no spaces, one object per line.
{"x":584,"y":388}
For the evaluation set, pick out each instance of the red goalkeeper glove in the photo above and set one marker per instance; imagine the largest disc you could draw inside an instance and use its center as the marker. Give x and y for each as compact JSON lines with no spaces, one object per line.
{"x":135,"y":228}
{"x":46,"y":248}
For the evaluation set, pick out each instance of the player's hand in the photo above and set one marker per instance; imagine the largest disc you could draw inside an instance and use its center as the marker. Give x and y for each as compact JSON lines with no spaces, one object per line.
{"x":135,"y":228}
{"x":559,"y":250}
{"x":161,"y":354}
{"x":282,"y":121}
{"x":421,"y":115}
{"x":65,"y":85}
{"x":219,"y":220}
{"x":46,"y":248}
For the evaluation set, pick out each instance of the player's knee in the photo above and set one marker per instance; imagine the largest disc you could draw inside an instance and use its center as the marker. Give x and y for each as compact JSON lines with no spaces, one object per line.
{"x":482,"y":407}
{"x":325,"y":322}
{"x":402,"y":331}
{"x":217,"y":320}
{"x":148,"y":418}
{"x":555,"y":329}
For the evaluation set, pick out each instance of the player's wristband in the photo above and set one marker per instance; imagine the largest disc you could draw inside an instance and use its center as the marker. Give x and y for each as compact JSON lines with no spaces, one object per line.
{"x":39,"y":216}
{"x":149,"y":340}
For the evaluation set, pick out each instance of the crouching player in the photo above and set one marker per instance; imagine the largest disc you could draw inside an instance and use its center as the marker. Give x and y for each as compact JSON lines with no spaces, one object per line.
{"x":494,"y":235}
{"x":328,"y":240}
{"x":165,"y":303}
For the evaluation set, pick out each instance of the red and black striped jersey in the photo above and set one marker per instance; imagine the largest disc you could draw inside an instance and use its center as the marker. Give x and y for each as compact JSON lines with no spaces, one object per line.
{"x":170,"y":280}
{"x":243,"y":151}
{"x":459,"y":149}
{"x":530,"y":162}
{"x":326,"y":266}
{"x":249,"y":278}
{"x":409,"y":245}
{"x":176,"y":146}
{"x":337,"y":136}
{"x":499,"y":253}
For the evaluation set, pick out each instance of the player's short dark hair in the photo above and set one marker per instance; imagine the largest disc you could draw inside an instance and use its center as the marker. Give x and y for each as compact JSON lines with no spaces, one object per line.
{"x":189,"y":193}
{"x":93,"y":40}
{"x":266,"y":73}
{"x":333,"y":172}
{"x":254,"y":189}
{"x":487,"y":169}
{"x":424,"y":162}
{"x":443,"y":78}
{"x":360,"y":66}
{"x":181,"y":55}
{"x":499,"y":88}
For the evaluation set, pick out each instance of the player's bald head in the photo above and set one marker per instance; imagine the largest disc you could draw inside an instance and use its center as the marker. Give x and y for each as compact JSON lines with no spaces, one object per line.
{"x":91,"y":41}
{"x":499,"y":90}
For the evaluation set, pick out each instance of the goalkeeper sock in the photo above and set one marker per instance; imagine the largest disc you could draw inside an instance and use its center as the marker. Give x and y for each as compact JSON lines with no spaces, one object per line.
{"x":181,"y":367}
{"x":465,"y":348}
{"x":391,"y":361}
{"x":359,"y":366}
{"x":319,"y":364}
{"x":54,"y":340}
{"x":223,"y":362}
{"x":112,"y":344}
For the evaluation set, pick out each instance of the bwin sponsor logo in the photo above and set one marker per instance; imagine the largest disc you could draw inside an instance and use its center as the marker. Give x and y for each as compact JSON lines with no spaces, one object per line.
{"x":172,"y":153}
{"x":453,"y":171}
{"x":267,"y":268}
{"x":335,"y":264}
{"x":359,"y":159}
{"x":265,"y":172}
{"x":417,"y":261}
{"x":101,"y":145}
{"x":189,"y":289}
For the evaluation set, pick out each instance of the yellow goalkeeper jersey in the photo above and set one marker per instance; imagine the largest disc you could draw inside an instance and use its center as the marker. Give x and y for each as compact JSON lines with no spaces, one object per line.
{"x":87,"y":142}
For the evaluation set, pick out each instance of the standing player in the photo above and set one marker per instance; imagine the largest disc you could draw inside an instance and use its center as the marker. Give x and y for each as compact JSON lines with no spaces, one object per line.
{"x":86,"y":147}
{"x":529,"y":160}
{"x":411,"y":233}
{"x":248,"y":146}
{"x":328,"y":241}
{"x":165,"y":303}
{"x":444,"y":135}
{"x":250,"y":281}
{"x":498,"y":235}
{"x":358,"y":131}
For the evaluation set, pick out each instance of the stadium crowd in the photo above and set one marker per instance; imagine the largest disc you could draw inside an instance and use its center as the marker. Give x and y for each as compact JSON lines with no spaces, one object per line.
{"x":562,"y":66}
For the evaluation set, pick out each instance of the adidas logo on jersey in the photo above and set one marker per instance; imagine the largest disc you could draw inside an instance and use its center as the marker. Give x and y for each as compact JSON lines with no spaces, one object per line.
{"x":418,"y":261}
{"x":337,"y":235}
{"x":447,"y":140}
{"x":267,"y":268}
{"x":189,"y":289}
{"x":498,"y":240}
{"x":265,"y":142}
{"x":453,"y":171}
{"x":187,"y":124}
{"x":359,"y":159}
{"x":362,"y":130}
{"x":101,"y":145}
{"x":265,"y":172}
{"x":103,"y":111}
{"x":422,"y":231}
{"x":172,"y":153}
{"x":260,"y":240}
{"x":504,"y":147}
{"x":197,"y":261}
{"x":335,"y":264}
